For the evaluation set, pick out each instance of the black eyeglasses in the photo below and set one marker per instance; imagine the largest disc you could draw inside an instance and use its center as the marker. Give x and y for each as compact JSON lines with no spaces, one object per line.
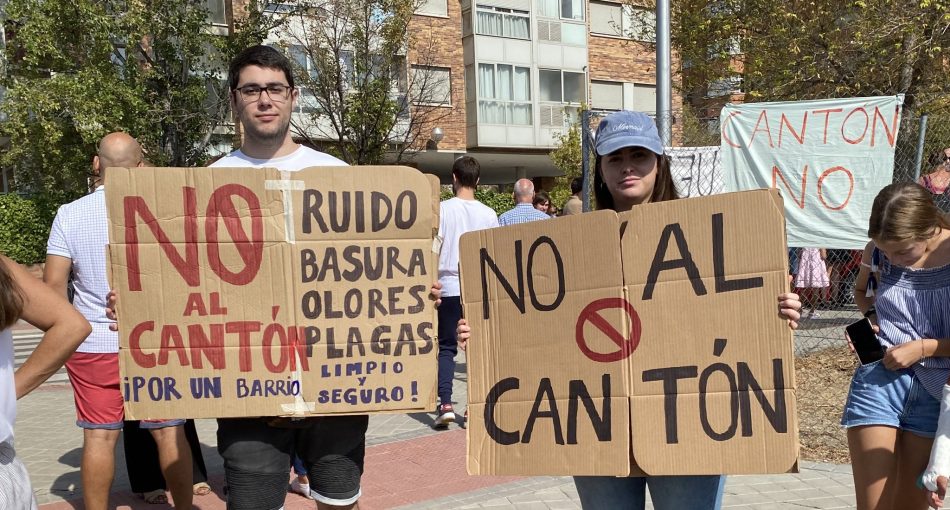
{"x":276,"y":92}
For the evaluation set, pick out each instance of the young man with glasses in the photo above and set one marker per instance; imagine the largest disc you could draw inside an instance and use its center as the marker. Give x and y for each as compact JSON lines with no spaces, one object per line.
{"x":257,"y":452}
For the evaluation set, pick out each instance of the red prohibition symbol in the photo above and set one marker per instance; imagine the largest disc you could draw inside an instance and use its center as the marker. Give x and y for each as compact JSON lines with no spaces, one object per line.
{"x":627,"y":342}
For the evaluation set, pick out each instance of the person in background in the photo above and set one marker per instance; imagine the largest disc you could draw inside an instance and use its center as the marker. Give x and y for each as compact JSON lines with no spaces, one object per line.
{"x":76,"y":246}
{"x":143,"y":466}
{"x":457,"y":215}
{"x":811,"y":280}
{"x":631,"y":169}
{"x":542,"y":202}
{"x":892,"y":408}
{"x":574,"y":204}
{"x":22,"y":296}
{"x":523,"y":211}
{"x":938,"y":179}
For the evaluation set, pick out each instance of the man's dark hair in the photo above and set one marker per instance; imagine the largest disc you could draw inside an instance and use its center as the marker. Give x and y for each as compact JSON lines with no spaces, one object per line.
{"x":466,"y":171}
{"x":577,"y":184}
{"x":260,"y":56}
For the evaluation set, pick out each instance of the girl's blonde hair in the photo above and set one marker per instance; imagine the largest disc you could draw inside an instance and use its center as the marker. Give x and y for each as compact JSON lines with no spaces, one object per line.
{"x":905,"y":211}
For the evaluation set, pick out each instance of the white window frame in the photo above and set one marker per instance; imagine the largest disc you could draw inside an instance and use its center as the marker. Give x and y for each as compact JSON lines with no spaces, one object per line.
{"x":223,"y":9}
{"x":625,"y":21}
{"x":425,"y":73}
{"x":508,"y":104}
{"x":561,"y":72}
{"x":598,"y":103}
{"x":560,"y":10}
{"x":505,"y":13}
{"x":438,"y":8}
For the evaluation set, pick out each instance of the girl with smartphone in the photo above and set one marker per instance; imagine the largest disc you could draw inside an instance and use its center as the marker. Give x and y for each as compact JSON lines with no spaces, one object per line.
{"x":903,"y":286}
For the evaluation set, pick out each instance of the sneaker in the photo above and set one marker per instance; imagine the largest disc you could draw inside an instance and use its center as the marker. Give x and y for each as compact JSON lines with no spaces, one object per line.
{"x":446,"y":415}
{"x":300,"y":488}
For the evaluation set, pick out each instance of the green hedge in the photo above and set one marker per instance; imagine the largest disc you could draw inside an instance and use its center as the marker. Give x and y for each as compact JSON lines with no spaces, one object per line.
{"x":24,"y":226}
{"x":500,"y":202}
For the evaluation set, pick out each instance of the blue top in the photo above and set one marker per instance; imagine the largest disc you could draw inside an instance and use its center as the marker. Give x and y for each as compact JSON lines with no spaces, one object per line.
{"x":521,"y":213}
{"x":913,"y":304}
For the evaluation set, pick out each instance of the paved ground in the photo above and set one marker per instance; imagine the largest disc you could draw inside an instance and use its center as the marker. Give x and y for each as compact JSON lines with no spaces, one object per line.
{"x":408,"y":466}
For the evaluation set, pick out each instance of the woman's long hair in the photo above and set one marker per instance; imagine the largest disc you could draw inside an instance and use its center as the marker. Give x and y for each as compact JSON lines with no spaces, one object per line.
{"x":905,"y":211}
{"x":663,"y":187}
{"x":11,"y":299}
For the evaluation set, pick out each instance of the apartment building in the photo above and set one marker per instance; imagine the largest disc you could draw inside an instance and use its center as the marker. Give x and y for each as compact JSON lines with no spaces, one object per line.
{"x":521,"y":69}
{"x":513,"y":75}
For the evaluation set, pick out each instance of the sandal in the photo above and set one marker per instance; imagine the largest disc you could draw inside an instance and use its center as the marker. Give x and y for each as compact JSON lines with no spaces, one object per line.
{"x":155,"y":497}
{"x":201,"y":489}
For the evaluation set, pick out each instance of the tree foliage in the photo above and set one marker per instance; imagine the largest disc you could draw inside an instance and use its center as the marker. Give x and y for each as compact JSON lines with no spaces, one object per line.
{"x":809,"y":50}
{"x":566,"y":157}
{"x":78,"y":70}
{"x":351,"y":57}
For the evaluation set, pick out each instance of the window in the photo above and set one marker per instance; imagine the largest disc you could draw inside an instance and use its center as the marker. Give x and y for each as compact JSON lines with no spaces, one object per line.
{"x":565,"y":9}
{"x":434,"y":7}
{"x":562,"y":86}
{"x":431,"y":85}
{"x":502,"y":22}
{"x":606,"y":95}
{"x":613,"y":19}
{"x":303,"y":64}
{"x":644,"y":98}
{"x":217,"y":15}
{"x":504,"y":94}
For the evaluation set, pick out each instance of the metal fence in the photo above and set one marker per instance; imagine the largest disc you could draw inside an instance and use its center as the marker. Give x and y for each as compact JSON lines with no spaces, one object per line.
{"x":824,"y":364}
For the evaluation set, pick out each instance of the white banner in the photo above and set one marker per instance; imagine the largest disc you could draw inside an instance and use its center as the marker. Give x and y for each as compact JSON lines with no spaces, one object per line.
{"x":828,"y":159}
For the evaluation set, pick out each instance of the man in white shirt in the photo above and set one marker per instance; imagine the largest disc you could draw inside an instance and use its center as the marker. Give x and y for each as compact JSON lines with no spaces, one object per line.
{"x":258,"y":452}
{"x":77,"y":245}
{"x":458,"y":215}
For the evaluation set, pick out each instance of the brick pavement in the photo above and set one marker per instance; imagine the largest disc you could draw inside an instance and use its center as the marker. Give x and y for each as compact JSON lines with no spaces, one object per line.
{"x":409,"y":466}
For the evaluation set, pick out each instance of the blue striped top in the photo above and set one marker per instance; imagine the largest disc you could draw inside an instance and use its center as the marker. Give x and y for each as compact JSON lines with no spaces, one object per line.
{"x":913,"y":304}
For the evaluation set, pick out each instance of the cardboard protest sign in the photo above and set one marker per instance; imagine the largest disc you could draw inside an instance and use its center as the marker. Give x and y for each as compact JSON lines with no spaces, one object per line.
{"x":254,"y":292}
{"x":641,"y":342}
{"x":829,"y":158}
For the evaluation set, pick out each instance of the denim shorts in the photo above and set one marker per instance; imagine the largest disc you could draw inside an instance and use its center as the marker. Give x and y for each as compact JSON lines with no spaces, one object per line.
{"x":893,"y":398}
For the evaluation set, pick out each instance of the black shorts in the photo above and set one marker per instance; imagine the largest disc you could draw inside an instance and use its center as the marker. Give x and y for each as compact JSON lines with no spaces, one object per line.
{"x":257,"y":458}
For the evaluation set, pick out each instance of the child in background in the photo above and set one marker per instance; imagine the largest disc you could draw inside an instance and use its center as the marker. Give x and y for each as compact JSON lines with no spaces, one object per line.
{"x":811,"y":280}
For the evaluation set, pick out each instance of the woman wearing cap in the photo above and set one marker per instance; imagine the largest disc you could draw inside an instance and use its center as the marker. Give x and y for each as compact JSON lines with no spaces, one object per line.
{"x":631,"y":169}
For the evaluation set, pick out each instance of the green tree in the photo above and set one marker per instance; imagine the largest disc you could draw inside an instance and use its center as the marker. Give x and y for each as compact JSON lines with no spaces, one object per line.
{"x":351,"y":57}
{"x":566,"y":157}
{"x":78,"y":70}
{"x":809,"y":50}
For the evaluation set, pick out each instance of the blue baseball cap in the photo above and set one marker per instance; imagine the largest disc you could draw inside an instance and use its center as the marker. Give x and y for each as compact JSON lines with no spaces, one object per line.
{"x":627,"y":129}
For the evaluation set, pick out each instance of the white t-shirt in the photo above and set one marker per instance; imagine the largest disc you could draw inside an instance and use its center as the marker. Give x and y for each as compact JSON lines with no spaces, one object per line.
{"x":7,"y":387}
{"x":80,"y":233}
{"x":301,"y":158}
{"x":457,"y":217}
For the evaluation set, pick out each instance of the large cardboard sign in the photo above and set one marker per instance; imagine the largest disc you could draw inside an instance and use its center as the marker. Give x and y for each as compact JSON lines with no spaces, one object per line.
{"x":641,"y":342}
{"x":829,"y":159}
{"x":254,"y":292}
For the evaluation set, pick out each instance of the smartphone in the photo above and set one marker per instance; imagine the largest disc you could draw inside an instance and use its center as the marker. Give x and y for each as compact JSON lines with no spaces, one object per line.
{"x":865,"y":342}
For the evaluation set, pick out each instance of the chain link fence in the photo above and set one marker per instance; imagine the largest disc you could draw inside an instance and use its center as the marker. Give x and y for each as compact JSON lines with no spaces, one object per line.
{"x":824,"y":364}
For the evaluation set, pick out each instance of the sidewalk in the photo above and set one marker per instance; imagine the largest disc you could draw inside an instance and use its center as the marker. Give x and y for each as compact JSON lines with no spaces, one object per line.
{"x":408,"y":466}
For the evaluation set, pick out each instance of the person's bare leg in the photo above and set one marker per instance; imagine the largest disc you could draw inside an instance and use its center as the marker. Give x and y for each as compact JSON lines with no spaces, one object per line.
{"x":98,"y":466}
{"x":913,"y":454}
{"x":174,"y":456}
{"x":874,"y":465}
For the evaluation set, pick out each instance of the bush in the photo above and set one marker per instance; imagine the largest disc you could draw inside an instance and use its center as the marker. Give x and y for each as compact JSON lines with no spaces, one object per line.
{"x":498,"y":201}
{"x":24,"y":226}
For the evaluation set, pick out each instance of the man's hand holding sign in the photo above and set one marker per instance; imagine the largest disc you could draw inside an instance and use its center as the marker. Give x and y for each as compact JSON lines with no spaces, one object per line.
{"x":248,"y":293}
